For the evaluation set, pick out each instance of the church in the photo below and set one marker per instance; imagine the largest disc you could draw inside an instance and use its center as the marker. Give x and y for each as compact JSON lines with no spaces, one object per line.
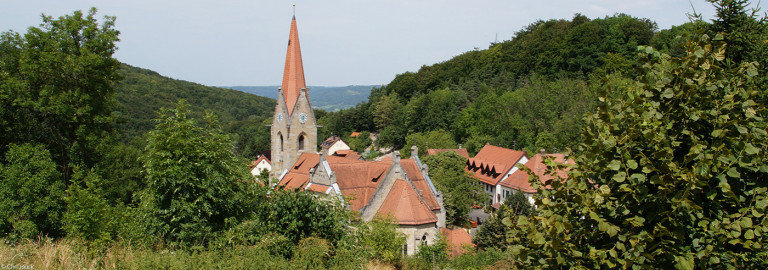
{"x":390,"y":188}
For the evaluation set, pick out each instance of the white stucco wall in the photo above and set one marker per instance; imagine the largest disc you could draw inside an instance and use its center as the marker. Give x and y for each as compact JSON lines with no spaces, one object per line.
{"x":339,"y":145}
{"x":263,"y":165}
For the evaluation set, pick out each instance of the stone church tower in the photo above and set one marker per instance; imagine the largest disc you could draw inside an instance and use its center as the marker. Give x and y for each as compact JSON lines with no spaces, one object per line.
{"x":294,"y":129}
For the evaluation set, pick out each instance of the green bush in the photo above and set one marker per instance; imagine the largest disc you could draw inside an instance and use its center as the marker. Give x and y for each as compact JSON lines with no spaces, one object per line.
{"x":88,"y":215}
{"x":31,"y":193}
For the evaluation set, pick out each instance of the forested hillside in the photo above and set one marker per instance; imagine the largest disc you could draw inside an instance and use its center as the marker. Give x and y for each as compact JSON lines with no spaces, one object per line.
{"x":528,"y":92}
{"x":141,"y":93}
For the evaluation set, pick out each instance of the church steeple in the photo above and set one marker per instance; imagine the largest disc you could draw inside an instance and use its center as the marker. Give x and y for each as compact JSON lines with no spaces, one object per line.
{"x":293,"y":74}
{"x":294,"y":128}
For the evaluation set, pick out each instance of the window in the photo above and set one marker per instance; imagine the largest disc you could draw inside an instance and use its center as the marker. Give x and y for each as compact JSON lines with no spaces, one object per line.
{"x":281,"y":142}
{"x":301,"y":142}
{"x":405,"y":249}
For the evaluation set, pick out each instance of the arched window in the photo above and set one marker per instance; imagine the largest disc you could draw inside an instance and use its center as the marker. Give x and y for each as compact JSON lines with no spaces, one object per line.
{"x":301,"y":142}
{"x":281,"y":141}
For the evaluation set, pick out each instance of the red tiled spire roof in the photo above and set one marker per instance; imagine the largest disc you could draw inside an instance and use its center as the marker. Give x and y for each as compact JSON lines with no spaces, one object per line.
{"x":293,"y":74}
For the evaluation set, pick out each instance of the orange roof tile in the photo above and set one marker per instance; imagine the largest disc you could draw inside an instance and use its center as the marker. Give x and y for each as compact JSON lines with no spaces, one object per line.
{"x":298,"y":176}
{"x":357,"y":179}
{"x":457,"y":239}
{"x":293,"y":74}
{"x":492,"y":163}
{"x":414,"y":173}
{"x":354,"y":134}
{"x":348,"y":154}
{"x":462,"y":152}
{"x":404,"y":205}
{"x":519,"y":179}
{"x":318,"y":188}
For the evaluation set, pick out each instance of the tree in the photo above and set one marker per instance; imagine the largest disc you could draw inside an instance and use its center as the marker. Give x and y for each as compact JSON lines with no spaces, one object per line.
{"x":493,"y":233}
{"x":300,"y":214}
{"x":361,"y":142}
{"x":31,"y":192}
{"x":742,"y":30}
{"x":56,"y":87}
{"x":446,"y":169}
{"x":195,"y":184}
{"x":671,"y":175}
{"x":436,"y":139}
{"x":89,"y":215}
{"x":381,"y":238}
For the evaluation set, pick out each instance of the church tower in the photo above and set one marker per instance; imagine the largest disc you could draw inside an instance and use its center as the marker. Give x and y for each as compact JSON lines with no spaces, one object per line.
{"x":294,"y":129}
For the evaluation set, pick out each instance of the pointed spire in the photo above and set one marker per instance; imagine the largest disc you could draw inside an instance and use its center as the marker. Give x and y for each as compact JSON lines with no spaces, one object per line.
{"x":293,"y":74}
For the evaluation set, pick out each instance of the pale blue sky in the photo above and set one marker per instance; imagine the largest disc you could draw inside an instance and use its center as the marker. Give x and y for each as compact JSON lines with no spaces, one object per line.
{"x":344,"y":42}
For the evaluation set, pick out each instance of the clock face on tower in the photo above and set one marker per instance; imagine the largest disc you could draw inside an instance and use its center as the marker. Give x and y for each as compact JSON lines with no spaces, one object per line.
{"x":279,"y":117}
{"x":303,"y":118}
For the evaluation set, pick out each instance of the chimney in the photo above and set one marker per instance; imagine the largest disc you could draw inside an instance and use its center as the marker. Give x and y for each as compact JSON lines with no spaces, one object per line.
{"x":459,"y":146}
{"x":323,"y":154}
{"x":424,"y":169}
{"x":542,"y":151}
{"x":414,"y":151}
{"x":396,"y":159}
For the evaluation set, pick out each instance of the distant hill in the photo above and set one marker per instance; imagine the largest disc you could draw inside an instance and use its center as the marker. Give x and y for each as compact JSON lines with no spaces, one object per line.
{"x":142,"y":93}
{"x":328,"y":98}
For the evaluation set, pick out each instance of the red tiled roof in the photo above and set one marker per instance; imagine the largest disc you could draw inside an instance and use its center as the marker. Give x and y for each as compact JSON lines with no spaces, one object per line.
{"x":293,"y":74}
{"x":462,"y":152}
{"x":519,"y":179}
{"x":414,"y":173}
{"x":404,"y":205}
{"x":358,"y":179}
{"x":256,"y":162}
{"x":298,"y":176}
{"x":348,"y":154}
{"x":318,"y":188}
{"x":354,"y":134}
{"x":492,"y":163}
{"x":457,"y":239}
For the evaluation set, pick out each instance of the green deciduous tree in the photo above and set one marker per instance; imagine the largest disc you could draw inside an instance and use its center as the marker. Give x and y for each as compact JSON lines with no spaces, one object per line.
{"x":361,"y":142}
{"x":446,"y":169}
{"x":56,"y":86}
{"x":383,"y":241}
{"x":195,"y":183}
{"x":300,"y":214}
{"x":436,"y":139}
{"x":493,"y":233}
{"x":89,"y":215}
{"x":31,"y":193}
{"x":671,"y":176}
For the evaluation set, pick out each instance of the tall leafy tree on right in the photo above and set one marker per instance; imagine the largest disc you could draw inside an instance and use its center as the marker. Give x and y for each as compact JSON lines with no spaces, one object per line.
{"x":672,"y":172}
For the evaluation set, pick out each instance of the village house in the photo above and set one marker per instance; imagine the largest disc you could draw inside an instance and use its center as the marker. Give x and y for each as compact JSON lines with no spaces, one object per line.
{"x":496,"y":169}
{"x":491,"y":166}
{"x":519,"y":179}
{"x":260,"y":164}
{"x":334,"y":144}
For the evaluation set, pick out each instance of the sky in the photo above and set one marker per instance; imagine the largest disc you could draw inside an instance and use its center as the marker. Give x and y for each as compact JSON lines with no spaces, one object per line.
{"x":343,"y":42}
